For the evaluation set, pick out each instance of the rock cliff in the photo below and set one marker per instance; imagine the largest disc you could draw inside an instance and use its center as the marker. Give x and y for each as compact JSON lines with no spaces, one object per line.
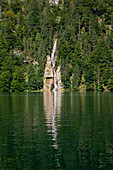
{"x":48,"y":76}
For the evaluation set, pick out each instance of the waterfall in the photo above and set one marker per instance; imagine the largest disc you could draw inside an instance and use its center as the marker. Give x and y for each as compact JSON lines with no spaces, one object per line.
{"x":53,"y":63}
{"x":54,"y":126}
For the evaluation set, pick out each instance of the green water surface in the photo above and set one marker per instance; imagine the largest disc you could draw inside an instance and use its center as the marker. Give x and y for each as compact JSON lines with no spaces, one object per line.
{"x":69,"y":131}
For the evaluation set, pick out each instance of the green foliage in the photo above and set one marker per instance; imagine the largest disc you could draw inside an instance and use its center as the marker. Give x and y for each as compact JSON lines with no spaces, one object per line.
{"x":5,"y":79}
{"x":18,"y":81}
{"x":85,"y":44}
{"x":85,"y":31}
{"x":76,"y":78}
{"x":40,"y":73}
{"x":32,"y":78}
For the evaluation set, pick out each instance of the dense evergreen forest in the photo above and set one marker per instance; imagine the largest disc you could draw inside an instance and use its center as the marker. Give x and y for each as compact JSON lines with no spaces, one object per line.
{"x":84,"y":50}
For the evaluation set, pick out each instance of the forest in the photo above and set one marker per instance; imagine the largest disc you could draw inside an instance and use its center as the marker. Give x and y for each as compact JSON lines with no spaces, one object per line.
{"x":85,"y":43}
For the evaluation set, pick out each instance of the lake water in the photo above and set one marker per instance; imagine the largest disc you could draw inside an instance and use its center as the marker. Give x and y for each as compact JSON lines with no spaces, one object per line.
{"x":68,"y":130}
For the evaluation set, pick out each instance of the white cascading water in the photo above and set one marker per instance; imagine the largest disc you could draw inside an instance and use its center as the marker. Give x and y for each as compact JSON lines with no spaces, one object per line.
{"x":53,"y":63}
{"x":54,"y":126}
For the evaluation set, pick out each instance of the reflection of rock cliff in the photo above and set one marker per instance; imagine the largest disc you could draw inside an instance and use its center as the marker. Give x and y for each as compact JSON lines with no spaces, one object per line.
{"x":52,"y":106}
{"x":49,"y":108}
{"x":48,"y":76}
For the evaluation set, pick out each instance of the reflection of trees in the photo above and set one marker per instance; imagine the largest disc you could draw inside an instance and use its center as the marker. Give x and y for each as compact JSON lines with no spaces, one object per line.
{"x":24,"y":142}
{"x":84,"y":135}
{"x":83,"y":125}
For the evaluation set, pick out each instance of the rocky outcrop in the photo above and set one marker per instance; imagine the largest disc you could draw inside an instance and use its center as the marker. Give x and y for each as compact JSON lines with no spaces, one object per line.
{"x":48,"y":76}
{"x":58,"y":77}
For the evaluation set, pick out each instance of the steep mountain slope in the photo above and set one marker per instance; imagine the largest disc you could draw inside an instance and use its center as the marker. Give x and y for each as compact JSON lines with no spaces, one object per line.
{"x":84,"y":51}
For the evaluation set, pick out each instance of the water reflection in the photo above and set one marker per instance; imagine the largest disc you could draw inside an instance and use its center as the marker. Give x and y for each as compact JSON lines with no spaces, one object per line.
{"x":23,"y":140}
{"x":86,"y":127}
{"x":56,"y":116}
{"x":54,"y":128}
{"x":52,"y":103}
{"x":61,"y":131}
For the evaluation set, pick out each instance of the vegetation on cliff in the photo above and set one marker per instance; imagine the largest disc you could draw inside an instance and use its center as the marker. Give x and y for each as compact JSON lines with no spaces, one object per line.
{"x":84,"y":51}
